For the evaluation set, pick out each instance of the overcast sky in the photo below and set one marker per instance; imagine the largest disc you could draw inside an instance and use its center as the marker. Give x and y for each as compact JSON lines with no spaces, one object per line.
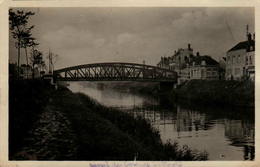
{"x":90,"y":35}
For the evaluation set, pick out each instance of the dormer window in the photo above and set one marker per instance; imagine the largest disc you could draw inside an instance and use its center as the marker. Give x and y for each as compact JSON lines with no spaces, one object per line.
{"x":203,"y":62}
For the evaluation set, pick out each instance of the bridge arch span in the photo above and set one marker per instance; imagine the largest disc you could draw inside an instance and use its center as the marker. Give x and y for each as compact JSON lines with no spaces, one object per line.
{"x":115,"y":71}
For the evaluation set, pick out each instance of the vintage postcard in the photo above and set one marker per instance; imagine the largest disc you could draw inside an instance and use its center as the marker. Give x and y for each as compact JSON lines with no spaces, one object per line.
{"x":111,"y":83}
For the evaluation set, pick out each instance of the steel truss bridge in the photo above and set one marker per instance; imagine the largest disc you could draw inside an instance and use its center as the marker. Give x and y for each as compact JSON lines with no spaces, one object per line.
{"x":115,"y":71}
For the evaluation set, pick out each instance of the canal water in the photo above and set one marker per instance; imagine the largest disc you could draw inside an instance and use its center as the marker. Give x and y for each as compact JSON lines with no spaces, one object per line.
{"x":225,"y":133}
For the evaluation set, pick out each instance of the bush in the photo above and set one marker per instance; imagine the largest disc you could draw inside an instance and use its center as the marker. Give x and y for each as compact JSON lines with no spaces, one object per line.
{"x":232,"y":93}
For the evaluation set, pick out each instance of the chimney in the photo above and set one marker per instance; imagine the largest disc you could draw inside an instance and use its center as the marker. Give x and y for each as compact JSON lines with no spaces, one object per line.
{"x":249,"y":37}
{"x":198,"y":53}
{"x":189,"y":46}
{"x":254,"y":36}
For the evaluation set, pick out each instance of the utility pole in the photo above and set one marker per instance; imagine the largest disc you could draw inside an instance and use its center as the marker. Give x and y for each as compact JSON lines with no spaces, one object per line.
{"x":50,"y":62}
{"x":247,"y":30}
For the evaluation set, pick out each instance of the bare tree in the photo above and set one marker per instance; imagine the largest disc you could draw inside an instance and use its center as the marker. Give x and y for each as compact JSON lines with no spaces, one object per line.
{"x":53,"y":58}
{"x":28,"y":41}
{"x":37,"y":59}
{"x":18,"y":21}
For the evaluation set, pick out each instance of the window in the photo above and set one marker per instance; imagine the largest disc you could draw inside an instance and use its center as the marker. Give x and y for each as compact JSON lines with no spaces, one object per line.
{"x":228,"y":60}
{"x":202,"y":73}
{"x":250,"y":60}
{"x":228,"y":71}
{"x":237,"y":71}
{"x":186,"y":59}
{"x":246,"y":60}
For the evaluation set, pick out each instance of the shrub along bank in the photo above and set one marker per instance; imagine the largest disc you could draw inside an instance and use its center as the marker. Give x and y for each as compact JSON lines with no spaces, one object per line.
{"x":215,"y":92}
{"x":232,"y":93}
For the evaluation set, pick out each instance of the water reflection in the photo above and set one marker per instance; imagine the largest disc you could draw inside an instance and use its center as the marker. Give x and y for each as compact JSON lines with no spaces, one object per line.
{"x":241,"y":133}
{"x":226,"y":134}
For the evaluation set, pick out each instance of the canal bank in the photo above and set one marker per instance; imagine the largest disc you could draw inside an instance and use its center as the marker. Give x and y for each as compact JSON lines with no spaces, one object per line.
{"x":205,"y":92}
{"x":226,"y":133}
{"x":216,"y":92}
{"x":61,"y":125}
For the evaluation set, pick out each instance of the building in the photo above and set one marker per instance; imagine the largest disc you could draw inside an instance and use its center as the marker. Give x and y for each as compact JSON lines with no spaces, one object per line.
{"x":165,"y":62}
{"x":240,"y":60}
{"x":250,"y":63}
{"x":203,"y":67}
{"x":26,"y":71}
{"x":178,"y":60}
{"x":189,"y":66}
{"x":182,"y":57}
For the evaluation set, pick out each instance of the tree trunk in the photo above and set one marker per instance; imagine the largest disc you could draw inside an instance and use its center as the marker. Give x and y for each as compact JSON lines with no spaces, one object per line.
{"x":33,"y":71}
{"x":32,"y":62}
{"x":18,"y":61}
{"x":26,"y":62}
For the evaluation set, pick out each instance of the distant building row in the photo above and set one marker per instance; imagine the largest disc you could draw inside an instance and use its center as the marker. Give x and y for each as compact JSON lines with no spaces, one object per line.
{"x":26,"y":71}
{"x":190,"y":66}
{"x":239,"y":63}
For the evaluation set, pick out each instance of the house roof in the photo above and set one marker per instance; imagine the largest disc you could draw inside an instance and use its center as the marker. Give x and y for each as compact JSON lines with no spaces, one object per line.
{"x":243,"y":45}
{"x":207,"y":59}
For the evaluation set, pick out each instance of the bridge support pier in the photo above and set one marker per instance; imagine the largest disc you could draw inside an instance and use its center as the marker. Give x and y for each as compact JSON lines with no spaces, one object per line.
{"x":166,"y":86}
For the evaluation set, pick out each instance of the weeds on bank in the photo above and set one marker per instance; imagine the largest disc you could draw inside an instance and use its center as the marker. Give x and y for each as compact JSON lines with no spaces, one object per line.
{"x":126,"y":130}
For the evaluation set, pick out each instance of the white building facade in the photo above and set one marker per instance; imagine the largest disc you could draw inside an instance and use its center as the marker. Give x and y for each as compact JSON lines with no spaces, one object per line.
{"x":240,"y":60}
{"x":205,"y":68}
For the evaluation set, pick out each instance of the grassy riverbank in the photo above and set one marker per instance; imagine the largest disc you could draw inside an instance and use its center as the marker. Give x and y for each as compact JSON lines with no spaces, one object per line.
{"x":27,"y":100}
{"x":229,"y":93}
{"x":60,"y":125}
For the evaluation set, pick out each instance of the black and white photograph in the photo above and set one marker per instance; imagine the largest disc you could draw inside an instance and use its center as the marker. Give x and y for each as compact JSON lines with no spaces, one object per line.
{"x":131,"y":84}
